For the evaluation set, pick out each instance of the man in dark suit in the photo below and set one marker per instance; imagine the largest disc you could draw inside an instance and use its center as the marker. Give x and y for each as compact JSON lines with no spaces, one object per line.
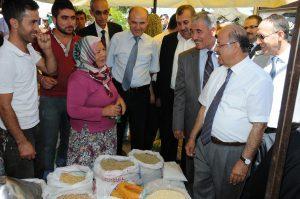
{"x":251,"y":26}
{"x":194,"y":69}
{"x":172,"y":45}
{"x":99,"y":9}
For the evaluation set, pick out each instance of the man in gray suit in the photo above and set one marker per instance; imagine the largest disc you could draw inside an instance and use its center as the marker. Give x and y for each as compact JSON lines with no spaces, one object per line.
{"x":194,"y":68}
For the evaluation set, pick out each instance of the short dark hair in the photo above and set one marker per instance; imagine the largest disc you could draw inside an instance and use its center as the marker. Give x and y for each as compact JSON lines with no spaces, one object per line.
{"x":279,"y":23}
{"x":16,"y":9}
{"x":80,"y":12}
{"x":239,"y":34}
{"x":182,"y":8}
{"x":60,"y":5}
{"x":258,"y":18}
{"x":172,"y":23}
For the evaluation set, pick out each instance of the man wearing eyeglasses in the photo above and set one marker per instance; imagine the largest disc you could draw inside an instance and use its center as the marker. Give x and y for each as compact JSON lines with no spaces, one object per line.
{"x":99,"y":9}
{"x":236,"y":104}
{"x":272,"y":37}
{"x":251,"y":26}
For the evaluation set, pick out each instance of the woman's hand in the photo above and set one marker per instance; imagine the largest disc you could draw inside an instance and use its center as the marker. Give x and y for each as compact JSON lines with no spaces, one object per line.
{"x":112,"y":110}
{"x":120,"y":102}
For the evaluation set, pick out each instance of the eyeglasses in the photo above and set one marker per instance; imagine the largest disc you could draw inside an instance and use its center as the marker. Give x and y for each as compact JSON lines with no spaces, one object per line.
{"x":98,"y":12}
{"x":221,"y":45}
{"x":262,"y":37}
{"x":250,"y":27}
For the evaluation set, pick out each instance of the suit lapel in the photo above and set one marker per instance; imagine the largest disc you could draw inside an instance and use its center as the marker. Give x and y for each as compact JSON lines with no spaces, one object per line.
{"x":110,"y":30}
{"x":93,"y":30}
{"x":252,"y":53}
{"x":195,"y":68}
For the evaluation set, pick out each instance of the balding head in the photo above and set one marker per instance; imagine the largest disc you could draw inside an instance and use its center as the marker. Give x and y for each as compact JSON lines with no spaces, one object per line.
{"x":233,"y":44}
{"x":138,"y":20}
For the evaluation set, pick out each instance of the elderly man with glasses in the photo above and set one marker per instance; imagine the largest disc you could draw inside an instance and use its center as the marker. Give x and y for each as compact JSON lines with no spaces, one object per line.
{"x":99,"y":9}
{"x":236,"y":103}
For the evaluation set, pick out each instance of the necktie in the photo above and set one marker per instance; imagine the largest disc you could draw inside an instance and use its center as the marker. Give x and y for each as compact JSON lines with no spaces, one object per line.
{"x":273,"y":69}
{"x":130,"y":64}
{"x":103,"y":38}
{"x":209,"y":67}
{"x":211,"y":112}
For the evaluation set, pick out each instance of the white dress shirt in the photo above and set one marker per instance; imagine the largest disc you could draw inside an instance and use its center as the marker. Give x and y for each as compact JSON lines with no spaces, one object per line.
{"x":182,"y":45}
{"x":146,"y":62}
{"x":99,"y":29}
{"x":247,"y":98}
{"x":278,"y":83}
{"x":203,"y":58}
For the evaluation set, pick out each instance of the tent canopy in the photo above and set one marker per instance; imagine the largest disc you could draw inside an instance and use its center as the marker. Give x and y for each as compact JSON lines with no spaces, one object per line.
{"x":195,"y":3}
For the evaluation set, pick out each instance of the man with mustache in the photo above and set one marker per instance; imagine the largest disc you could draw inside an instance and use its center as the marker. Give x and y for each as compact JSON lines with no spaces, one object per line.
{"x":251,"y":26}
{"x":19,"y":115}
{"x":172,"y":45}
{"x":53,"y":111}
{"x":194,"y":68}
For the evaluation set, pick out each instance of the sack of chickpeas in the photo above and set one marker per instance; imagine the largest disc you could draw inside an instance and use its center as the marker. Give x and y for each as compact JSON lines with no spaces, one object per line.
{"x":69,"y":179}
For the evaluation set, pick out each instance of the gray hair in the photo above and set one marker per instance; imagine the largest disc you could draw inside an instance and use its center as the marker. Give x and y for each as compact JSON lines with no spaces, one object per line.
{"x":208,"y":19}
{"x":93,"y":1}
{"x":279,"y":23}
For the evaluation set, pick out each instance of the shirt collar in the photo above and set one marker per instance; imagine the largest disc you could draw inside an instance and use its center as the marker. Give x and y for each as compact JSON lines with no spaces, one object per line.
{"x":237,"y":68}
{"x":99,"y":29}
{"x":284,"y":56}
{"x":142,"y":37}
{"x":180,"y":38}
{"x":13,"y":48}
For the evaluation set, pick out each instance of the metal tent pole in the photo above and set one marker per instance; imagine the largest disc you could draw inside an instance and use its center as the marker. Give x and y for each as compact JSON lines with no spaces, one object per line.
{"x":286,"y":115}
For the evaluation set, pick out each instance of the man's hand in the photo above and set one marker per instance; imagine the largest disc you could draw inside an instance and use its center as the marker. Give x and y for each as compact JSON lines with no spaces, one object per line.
{"x":238,"y":173}
{"x":26,"y":150}
{"x":120,"y":102}
{"x":48,"y":82}
{"x":178,"y":134}
{"x":190,"y":147}
{"x":44,"y":41}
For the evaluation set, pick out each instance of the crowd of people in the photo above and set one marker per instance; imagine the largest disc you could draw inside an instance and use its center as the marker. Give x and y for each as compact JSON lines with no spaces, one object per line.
{"x":218,"y":90}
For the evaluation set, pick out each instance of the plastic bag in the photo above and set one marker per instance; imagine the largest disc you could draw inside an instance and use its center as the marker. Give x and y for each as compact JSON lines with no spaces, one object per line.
{"x":161,"y":184}
{"x":106,"y":181}
{"x":148,"y":172}
{"x":172,"y":171}
{"x":89,"y":194}
{"x":55,"y":186}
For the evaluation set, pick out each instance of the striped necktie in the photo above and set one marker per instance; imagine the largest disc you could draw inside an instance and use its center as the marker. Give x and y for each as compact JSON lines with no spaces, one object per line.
{"x":211,"y":112}
{"x":209,"y":67}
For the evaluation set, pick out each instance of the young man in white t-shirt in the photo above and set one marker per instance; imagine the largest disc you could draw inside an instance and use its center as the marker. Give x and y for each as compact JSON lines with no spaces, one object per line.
{"x":18,"y":88}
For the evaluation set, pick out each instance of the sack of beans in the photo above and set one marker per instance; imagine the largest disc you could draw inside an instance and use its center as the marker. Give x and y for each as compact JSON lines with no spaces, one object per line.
{"x":110,"y":170}
{"x":150,"y":164}
{"x":70,"y":179}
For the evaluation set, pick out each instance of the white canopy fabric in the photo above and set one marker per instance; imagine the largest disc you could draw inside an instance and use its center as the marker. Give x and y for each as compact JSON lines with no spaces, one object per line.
{"x":195,"y":3}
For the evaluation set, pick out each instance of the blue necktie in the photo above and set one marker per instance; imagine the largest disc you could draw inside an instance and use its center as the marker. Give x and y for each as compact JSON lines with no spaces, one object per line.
{"x":273,"y":69}
{"x":209,"y":67}
{"x":130,"y":65}
{"x":211,"y":112}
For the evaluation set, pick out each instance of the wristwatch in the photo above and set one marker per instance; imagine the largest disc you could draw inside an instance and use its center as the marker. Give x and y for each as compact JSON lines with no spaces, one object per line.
{"x":245,"y":160}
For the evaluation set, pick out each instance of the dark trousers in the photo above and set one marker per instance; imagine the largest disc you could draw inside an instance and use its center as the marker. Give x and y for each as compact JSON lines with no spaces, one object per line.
{"x":168,"y":142}
{"x":137,"y":102}
{"x":54,"y":123}
{"x":15,"y":166}
{"x":255,"y":188}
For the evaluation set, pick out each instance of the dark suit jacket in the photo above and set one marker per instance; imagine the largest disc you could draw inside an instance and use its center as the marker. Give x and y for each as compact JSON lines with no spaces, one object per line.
{"x":91,"y":30}
{"x":187,"y":91}
{"x":167,"y":52}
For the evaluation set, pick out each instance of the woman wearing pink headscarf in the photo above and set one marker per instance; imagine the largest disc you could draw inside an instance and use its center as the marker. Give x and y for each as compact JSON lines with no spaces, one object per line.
{"x":92,"y":103}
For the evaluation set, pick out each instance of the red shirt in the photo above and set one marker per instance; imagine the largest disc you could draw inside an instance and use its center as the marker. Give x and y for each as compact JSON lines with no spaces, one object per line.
{"x":65,"y":66}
